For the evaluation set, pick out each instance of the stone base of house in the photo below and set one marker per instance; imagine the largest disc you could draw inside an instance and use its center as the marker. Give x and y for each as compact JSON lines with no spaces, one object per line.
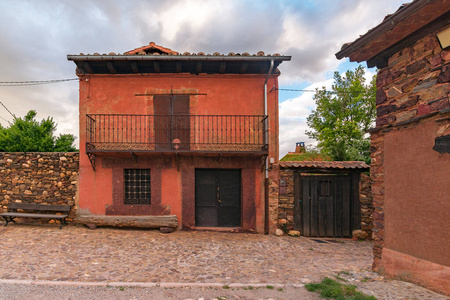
{"x":128,"y":221}
{"x":409,"y":268}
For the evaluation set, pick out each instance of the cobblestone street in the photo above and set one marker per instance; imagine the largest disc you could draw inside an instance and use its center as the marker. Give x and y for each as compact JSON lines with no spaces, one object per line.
{"x":77,"y":254}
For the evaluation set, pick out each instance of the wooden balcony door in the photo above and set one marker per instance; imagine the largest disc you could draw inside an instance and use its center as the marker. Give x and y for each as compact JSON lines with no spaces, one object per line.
{"x":172,"y":122}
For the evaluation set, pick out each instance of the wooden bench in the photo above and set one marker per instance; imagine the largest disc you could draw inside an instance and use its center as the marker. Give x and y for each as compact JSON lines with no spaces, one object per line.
{"x":36,"y":212}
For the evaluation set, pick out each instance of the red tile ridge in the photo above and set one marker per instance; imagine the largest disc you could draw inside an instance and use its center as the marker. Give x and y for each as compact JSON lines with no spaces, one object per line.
{"x":151,"y":46}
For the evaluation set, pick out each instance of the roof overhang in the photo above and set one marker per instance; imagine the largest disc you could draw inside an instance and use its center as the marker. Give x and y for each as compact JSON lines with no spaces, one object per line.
{"x":332,"y":166}
{"x":399,"y":30}
{"x":194,"y":64}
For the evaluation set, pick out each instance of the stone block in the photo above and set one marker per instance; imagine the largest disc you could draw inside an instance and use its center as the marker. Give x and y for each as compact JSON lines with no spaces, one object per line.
{"x":420,"y":65}
{"x":380,"y":121}
{"x":166,"y":229}
{"x":423,"y":109}
{"x":407,"y":102}
{"x":295,"y":233}
{"x":407,"y":87}
{"x":381,"y":96}
{"x":279,"y":232}
{"x":393,"y":92}
{"x":385,"y":109}
{"x":440,"y":104}
{"x":359,"y":234}
{"x":424,"y":85}
{"x":444,"y":76}
{"x":445,"y":55}
{"x":435,"y":60}
{"x":406,"y":115}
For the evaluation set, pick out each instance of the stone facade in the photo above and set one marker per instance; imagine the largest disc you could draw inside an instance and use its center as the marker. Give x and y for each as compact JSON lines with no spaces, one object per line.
{"x":42,"y":178}
{"x":415,"y":83}
{"x":365,"y":197}
{"x":413,"y":87}
{"x":286,"y":201}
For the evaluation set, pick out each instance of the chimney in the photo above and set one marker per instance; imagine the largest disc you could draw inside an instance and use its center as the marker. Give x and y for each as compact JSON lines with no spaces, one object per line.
{"x":300,"y":147}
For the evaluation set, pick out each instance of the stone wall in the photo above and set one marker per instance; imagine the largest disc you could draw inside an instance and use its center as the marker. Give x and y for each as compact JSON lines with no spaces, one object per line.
{"x":286,"y":201}
{"x":415,"y":83}
{"x":412,"y":88}
{"x":42,"y":178}
{"x":365,"y":197}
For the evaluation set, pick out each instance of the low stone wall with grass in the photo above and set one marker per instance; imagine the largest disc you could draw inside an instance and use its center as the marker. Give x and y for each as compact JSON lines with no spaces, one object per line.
{"x":39,"y":177}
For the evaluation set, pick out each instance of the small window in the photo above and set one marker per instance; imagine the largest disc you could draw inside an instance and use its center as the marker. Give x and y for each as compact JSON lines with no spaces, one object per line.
{"x":137,"y":186}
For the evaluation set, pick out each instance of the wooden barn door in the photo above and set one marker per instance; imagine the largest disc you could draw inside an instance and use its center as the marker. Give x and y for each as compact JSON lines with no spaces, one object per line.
{"x":217,"y":198}
{"x":326,"y":206}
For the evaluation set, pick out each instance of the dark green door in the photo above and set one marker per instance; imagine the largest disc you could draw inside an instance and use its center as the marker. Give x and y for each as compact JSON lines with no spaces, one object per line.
{"x":217,"y":198}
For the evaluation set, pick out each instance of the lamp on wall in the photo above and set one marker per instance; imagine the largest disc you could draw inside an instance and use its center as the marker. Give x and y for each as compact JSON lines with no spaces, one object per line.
{"x":444,"y":37}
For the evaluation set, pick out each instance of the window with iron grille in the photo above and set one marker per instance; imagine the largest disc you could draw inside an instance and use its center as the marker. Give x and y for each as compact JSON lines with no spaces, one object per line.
{"x":137,"y":186}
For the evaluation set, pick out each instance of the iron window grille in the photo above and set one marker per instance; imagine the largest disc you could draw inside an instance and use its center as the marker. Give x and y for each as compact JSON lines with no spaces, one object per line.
{"x":137,"y":186}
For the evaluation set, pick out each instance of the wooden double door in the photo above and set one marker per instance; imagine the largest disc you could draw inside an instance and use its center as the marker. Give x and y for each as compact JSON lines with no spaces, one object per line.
{"x":217,"y":198}
{"x":327,"y":205}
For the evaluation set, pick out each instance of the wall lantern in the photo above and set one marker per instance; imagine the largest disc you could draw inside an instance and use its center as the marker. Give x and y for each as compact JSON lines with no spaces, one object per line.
{"x":444,"y":38}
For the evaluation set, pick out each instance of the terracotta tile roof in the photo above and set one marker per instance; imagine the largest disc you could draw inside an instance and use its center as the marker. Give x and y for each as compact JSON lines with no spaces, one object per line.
{"x":325,"y":164}
{"x":153,"y":49}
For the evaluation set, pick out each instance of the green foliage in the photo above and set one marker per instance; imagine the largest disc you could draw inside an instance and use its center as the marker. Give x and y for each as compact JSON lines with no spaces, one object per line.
{"x":329,"y":288}
{"x":28,"y":135}
{"x":311,"y":154}
{"x":342,"y":116}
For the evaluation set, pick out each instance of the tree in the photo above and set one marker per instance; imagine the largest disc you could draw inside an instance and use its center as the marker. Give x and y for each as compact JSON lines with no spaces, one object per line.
{"x":343,"y":115}
{"x":29,"y":135}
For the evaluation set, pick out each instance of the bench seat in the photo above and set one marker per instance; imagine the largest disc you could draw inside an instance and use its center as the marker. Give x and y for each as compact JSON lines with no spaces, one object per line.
{"x":25,"y":215}
{"x":38,"y":211}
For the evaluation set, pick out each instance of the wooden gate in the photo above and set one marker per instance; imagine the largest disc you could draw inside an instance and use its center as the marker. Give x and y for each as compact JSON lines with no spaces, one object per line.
{"x":217,"y":198}
{"x":326,"y":205}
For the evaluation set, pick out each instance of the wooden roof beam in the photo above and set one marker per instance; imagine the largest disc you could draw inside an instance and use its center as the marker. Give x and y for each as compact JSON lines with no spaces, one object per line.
{"x":134,"y":67}
{"x":87,"y":67}
{"x":111,"y":67}
{"x":156,"y":67}
{"x":223,"y":66}
{"x":198,"y":68}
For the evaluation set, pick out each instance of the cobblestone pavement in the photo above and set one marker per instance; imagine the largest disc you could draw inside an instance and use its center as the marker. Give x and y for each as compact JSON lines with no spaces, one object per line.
{"x":77,"y":254}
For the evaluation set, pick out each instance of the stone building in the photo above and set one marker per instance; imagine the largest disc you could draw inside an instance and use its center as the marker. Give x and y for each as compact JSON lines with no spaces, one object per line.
{"x":410,"y":144}
{"x":164,"y":133}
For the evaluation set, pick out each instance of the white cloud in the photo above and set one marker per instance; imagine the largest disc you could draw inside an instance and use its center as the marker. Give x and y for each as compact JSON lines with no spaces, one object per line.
{"x":35,"y":38}
{"x":293,"y":114}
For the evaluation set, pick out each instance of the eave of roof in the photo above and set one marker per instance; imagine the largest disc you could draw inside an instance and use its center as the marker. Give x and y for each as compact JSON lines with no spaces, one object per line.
{"x":193,"y":64}
{"x":394,"y":28}
{"x":175,"y":58}
{"x":154,"y":58}
{"x":343,"y":165}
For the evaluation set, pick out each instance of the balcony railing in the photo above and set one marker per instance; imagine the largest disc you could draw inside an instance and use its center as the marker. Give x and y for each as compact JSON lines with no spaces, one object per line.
{"x":175,"y":133}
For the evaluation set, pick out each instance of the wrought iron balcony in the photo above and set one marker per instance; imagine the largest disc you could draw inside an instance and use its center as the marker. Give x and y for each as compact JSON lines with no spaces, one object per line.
{"x":175,"y":133}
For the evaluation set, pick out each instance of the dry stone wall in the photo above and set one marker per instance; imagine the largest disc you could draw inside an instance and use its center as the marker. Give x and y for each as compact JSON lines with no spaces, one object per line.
{"x":41,"y":178}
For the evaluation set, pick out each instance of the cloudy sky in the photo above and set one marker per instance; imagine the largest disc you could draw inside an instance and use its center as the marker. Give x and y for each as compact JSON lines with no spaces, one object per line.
{"x":36,"y":36}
